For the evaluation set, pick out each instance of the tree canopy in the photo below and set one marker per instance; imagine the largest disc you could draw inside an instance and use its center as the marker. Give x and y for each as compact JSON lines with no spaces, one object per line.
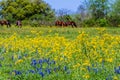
{"x":25,"y":9}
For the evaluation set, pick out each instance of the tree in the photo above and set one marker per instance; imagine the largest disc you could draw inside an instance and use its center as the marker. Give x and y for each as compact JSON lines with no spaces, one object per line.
{"x":26,"y":9}
{"x":83,"y":10}
{"x":116,"y":8}
{"x":98,"y":8}
{"x":114,"y":16}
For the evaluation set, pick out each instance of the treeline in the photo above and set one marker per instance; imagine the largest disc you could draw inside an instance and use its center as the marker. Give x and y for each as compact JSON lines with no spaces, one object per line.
{"x":99,"y":13}
{"x":32,"y":12}
{"x":37,"y":12}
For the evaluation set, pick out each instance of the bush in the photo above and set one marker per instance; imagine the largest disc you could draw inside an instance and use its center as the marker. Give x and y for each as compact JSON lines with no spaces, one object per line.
{"x":102,"y":22}
{"x":89,"y":23}
{"x":114,"y":20}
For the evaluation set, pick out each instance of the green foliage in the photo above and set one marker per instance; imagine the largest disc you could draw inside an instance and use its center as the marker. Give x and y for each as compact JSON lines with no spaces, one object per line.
{"x":114,"y":18}
{"x":25,"y":10}
{"x":98,"y":8}
{"x":65,"y":18}
{"x":89,"y":23}
{"x":102,"y":22}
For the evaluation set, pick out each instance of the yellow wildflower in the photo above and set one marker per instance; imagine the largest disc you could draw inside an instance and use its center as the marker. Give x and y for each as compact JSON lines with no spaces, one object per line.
{"x":86,"y":76}
{"x":19,"y":61}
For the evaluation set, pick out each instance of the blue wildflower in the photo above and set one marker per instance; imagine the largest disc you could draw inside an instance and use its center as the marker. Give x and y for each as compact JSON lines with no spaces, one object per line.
{"x":19,"y":57}
{"x":40,"y":61}
{"x":0,"y":65}
{"x":95,"y":70}
{"x":12,"y":57}
{"x":103,"y":61}
{"x":53,"y":62}
{"x":38,"y":69}
{"x":68,"y":72}
{"x":31,"y":71}
{"x":46,"y":60}
{"x":92,"y":65}
{"x":48,"y":71}
{"x":65,"y":68}
{"x":88,"y":68}
{"x":55,"y":69}
{"x":25,"y":55}
{"x":17,"y":72}
{"x":117,"y":70}
{"x":42,"y":74}
{"x":34,"y":62}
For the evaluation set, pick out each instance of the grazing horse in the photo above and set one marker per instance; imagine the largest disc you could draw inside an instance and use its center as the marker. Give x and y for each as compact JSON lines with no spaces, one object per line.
{"x":19,"y":23}
{"x":60,"y":23}
{"x":71,"y":23}
{"x":68,"y":23}
{"x":5,"y":22}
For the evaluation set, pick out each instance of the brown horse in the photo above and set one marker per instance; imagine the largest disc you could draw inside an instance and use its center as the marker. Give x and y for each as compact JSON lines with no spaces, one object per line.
{"x":19,"y":23}
{"x":71,"y":23}
{"x":68,"y":23}
{"x":5,"y":22}
{"x":59,"y":23}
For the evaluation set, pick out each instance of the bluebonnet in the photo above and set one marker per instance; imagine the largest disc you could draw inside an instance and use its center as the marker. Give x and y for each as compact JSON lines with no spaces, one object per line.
{"x":17,"y":72}
{"x":46,"y":60}
{"x":95,"y":70}
{"x":53,"y":62}
{"x":55,"y":69}
{"x":44,"y":67}
{"x":25,"y":55}
{"x":68,"y":72}
{"x":34,"y":62}
{"x":103,"y":62}
{"x":0,"y":65}
{"x":31,"y":71}
{"x":48,"y":71}
{"x":12,"y":57}
{"x":117,"y":71}
{"x":19,"y":57}
{"x":42,"y":74}
{"x":88,"y":68}
{"x":65,"y":68}
{"x":40,"y":61}
{"x":38,"y":69}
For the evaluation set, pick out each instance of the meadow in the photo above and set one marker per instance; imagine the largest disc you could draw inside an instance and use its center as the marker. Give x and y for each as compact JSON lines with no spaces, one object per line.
{"x":52,"y":53}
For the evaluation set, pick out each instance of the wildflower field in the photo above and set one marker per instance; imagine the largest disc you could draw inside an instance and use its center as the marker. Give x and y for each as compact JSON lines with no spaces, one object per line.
{"x":59,"y":53}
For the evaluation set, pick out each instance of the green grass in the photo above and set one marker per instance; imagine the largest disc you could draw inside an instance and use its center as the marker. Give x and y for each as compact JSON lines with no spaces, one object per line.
{"x":68,"y":32}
